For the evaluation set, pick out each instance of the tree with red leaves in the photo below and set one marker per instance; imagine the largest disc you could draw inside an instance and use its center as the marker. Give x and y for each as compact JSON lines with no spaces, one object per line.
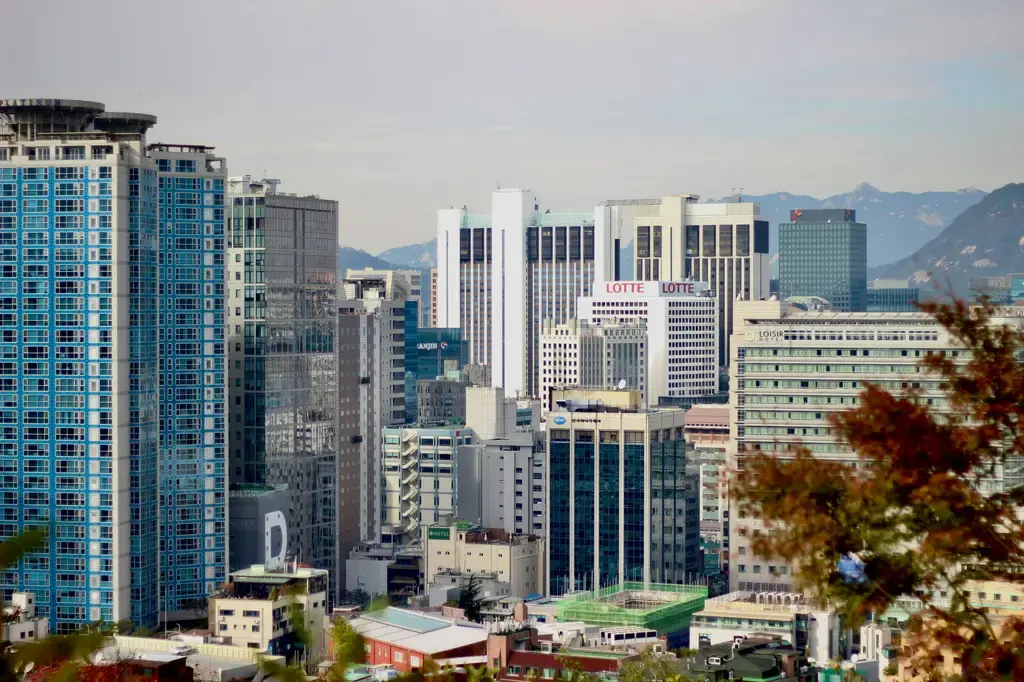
{"x":930,"y":512}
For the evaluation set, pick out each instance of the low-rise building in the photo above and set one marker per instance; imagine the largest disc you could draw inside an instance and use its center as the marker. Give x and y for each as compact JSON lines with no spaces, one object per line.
{"x":206,"y":661}
{"x":791,"y":617}
{"x":259,"y":604}
{"x":21,"y":623}
{"x":406,"y":639}
{"x":455,"y":546}
{"x":756,"y":660}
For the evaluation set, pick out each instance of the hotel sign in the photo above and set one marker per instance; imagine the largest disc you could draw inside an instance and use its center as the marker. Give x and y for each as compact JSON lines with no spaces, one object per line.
{"x":438,"y":534}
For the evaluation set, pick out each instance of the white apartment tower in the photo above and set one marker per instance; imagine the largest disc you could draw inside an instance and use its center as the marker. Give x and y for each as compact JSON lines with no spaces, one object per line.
{"x":724,"y":245}
{"x":682,"y":332}
{"x":501,"y":276}
{"x":599,"y":355}
{"x":791,"y":370}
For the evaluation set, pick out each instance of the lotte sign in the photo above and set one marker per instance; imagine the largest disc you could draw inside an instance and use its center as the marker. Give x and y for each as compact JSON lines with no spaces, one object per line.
{"x":654,"y":288}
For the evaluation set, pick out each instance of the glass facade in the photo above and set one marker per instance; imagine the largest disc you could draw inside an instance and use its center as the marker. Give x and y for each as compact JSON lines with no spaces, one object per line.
{"x":427,"y":349}
{"x":192,"y":375}
{"x":823,"y":252}
{"x":283,"y":372}
{"x":892,"y":300}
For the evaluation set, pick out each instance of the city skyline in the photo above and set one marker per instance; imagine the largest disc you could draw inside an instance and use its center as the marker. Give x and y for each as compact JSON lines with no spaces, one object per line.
{"x":908,"y":95}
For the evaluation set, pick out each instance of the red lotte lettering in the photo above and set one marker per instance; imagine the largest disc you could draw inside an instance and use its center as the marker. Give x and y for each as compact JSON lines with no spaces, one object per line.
{"x":641,"y":287}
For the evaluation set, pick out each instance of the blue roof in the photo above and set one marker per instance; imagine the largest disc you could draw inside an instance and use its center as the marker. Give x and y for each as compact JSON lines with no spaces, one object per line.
{"x":406,"y":620}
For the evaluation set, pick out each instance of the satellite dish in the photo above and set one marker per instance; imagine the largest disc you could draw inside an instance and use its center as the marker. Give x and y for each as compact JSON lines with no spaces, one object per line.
{"x":622,"y":384}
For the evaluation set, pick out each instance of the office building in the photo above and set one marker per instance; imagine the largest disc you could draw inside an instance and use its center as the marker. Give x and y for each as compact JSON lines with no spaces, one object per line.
{"x":258,"y":609}
{"x":823,"y":252}
{"x":622,"y":505}
{"x":193,"y":433}
{"x":257,"y":513}
{"x":371,"y":392}
{"x":433,"y":297}
{"x":724,"y":245}
{"x":113,"y":300}
{"x":283,"y":284}
{"x":456,"y":547}
{"x":501,"y":474}
{"x":792,"y":370}
{"x":501,"y":276}
{"x":442,"y":400}
{"x":430,"y":352}
{"x":892,"y":296}
{"x":396,"y":284}
{"x":682,"y":333}
{"x":995,"y":288}
{"x":599,"y":355}
{"x":420,"y":472}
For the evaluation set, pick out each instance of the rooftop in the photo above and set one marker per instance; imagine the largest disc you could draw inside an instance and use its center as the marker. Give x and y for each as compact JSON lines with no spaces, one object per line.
{"x":283,"y":574}
{"x":417,"y":631}
{"x":665,"y":608}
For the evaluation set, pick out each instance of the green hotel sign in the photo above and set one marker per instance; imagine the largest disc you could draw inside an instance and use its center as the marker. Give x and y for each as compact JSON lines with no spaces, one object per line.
{"x":438,"y":534}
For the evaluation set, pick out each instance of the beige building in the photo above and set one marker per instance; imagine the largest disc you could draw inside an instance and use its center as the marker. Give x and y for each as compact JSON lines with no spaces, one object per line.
{"x":256,"y":609}
{"x":459,"y":547}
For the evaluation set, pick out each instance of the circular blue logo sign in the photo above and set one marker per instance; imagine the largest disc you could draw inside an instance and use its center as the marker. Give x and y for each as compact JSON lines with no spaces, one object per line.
{"x":559,"y":420}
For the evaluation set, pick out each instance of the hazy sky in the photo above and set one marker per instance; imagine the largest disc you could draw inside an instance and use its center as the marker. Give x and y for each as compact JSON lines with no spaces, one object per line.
{"x":399,"y":107}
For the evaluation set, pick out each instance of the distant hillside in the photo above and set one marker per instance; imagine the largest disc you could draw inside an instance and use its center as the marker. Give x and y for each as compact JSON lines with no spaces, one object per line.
{"x":414,"y":255}
{"x":898,"y":222}
{"x":986,"y":239}
{"x":358,"y":260}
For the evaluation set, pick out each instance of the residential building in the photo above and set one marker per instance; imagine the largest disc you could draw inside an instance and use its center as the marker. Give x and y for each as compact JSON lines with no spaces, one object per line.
{"x":259,"y":607}
{"x":622,"y":505}
{"x":442,"y":400}
{"x":21,"y":623}
{"x":757,"y":659}
{"x":501,"y":474}
{"x":282,"y":281}
{"x":193,"y":378}
{"x":82,"y":379}
{"x":724,"y":245}
{"x":452,"y":547}
{"x":420,"y":474}
{"x":371,"y":353}
{"x":792,"y":370}
{"x":790,"y":617}
{"x":682,"y":325}
{"x":707,"y":437}
{"x":405,"y":639}
{"x":892,"y":296}
{"x":593,"y":355}
{"x":823,"y":252}
{"x":501,"y":276}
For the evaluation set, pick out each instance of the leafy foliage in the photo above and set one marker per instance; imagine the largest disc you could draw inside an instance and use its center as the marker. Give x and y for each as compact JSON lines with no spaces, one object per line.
{"x":920,"y":514}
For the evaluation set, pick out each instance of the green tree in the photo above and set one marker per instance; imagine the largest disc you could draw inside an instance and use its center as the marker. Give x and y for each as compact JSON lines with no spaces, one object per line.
{"x":348,"y":648}
{"x":649,"y":667}
{"x":470,"y":600}
{"x":61,"y":655}
{"x":919,"y":516}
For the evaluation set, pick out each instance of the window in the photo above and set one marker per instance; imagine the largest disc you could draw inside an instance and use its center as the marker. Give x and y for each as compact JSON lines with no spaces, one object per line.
{"x":251,"y":614}
{"x":398,"y":656}
{"x":514,"y":670}
{"x":227,"y":612}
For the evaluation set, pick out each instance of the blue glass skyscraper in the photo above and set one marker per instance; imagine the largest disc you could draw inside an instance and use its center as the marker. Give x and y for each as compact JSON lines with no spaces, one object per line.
{"x":823,"y":252}
{"x":192,"y":374}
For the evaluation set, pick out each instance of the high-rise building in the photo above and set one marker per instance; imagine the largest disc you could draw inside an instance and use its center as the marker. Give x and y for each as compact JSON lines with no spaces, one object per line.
{"x":501,"y":474}
{"x":792,"y":370}
{"x":724,"y":245}
{"x":823,"y":252}
{"x":428,"y":351}
{"x":282,"y":285}
{"x":707,"y":437}
{"x":892,"y":296}
{"x":623,"y":504}
{"x":398,"y":284}
{"x":433,"y":297}
{"x":593,"y":355}
{"x":442,"y":400}
{"x":501,"y":276}
{"x":193,"y":379}
{"x":420,"y":472}
{"x":372,"y":349}
{"x":80,"y":390}
{"x":681,"y":319}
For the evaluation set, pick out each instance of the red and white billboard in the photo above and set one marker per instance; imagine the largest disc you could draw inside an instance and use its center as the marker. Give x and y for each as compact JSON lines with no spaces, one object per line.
{"x":651,"y":289}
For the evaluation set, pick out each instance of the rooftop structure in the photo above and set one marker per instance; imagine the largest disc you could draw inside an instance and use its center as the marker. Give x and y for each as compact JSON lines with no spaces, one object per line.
{"x":406,"y":638}
{"x":664,"y":608}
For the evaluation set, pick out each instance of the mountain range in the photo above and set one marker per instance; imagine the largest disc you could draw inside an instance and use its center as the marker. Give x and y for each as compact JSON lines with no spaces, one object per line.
{"x":898,"y":223}
{"x":987,"y":239}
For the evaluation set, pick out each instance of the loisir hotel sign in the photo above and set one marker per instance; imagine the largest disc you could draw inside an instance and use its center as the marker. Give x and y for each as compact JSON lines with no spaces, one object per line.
{"x":652,"y":289}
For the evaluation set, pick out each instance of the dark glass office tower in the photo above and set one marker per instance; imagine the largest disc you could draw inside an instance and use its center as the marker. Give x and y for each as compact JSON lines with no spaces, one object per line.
{"x":823,"y":252}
